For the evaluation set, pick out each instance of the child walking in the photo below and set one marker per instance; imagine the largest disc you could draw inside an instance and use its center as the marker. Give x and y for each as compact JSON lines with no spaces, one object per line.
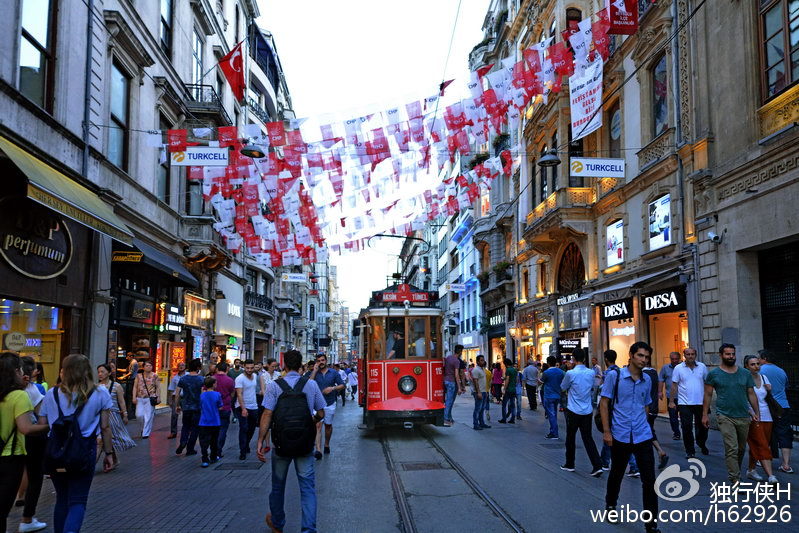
{"x":210,"y":404}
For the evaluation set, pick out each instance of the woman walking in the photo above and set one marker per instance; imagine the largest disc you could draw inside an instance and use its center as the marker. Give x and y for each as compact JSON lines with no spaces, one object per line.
{"x":760,"y":431}
{"x":496,"y":382}
{"x":15,"y":425}
{"x":146,"y":397}
{"x":77,"y":393}
{"x":118,"y":414}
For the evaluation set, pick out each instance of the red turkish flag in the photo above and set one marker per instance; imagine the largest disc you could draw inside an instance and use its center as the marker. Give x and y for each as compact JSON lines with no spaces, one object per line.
{"x":232,"y":66}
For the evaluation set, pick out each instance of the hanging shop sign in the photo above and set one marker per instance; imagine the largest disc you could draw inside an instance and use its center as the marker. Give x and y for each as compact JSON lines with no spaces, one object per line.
{"x":563,"y":300}
{"x":200,"y":156}
{"x":456,"y":287}
{"x":169,"y":318}
{"x":294,"y":278}
{"x":663,"y":301}
{"x":596,"y":167}
{"x":617,"y":310}
{"x":33,"y":240}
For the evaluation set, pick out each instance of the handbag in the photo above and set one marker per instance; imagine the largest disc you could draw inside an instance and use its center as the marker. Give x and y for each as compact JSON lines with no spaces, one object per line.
{"x":153,"y":399}
{"x":774,"y":407}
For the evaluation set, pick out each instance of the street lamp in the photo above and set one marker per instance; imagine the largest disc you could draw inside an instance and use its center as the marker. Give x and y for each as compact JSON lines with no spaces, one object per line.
{"x":550,"y":159}
{"x":252,"y":150}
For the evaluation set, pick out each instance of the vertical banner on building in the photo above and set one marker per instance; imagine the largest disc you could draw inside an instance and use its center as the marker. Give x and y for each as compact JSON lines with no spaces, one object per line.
{"x":586,"y":101}
{"x":623,"y":15}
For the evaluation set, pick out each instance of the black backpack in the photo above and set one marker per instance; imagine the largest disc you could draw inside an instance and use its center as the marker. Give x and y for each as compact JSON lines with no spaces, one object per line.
{"x":67,"y":449}
{"x":293,"y":428}
{"x":611,"y":405}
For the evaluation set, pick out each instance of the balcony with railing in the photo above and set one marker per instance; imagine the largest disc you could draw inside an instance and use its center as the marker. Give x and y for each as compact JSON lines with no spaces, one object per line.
{"x":203,"y":100}
{"x":258,"y":111}
{"x":259,"y":301}
{"x":569,"y":197}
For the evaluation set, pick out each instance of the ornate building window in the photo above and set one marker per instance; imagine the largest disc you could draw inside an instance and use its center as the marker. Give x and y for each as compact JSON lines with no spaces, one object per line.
{"x":120,"y":101}
{"x":660,"y":103}
{"x":571,"y":271}
{"x":37,"y":52}
{"x":779,"y":33}
{"x":543,"y":179}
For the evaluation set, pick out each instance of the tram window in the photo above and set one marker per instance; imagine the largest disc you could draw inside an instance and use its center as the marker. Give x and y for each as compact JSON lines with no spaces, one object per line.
{"x":417,"y":335}
{"x":396,"y":341}
{"x":435,"y":327}
{"x":378,"y":335}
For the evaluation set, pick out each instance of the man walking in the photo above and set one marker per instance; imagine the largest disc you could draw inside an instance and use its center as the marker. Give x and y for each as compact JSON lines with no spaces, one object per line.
{"x":342,"y":392}
{"x":551,"y":380}
{"x":173,"y":405}
{"x":129,"y":377}
{"x":352,"y":381}
{"x":187,"y":395}
{"x":480,"y":391}
{"x":578,"y":383}
{"x":226,"y":387}
{"x":665,"y":376}
{"x":277,"y":403}
{"x":735,"y":393}
{"x":782,"y":425}
{"x":623,"y":408}
{"x":248,"y":407}
{"x":330,"y":383}
{"x":530,"y":379}
{"x":509,"y":393}
{"x":236,"y":371}
{"x":453,"y":382}
{"x":687,"y":395}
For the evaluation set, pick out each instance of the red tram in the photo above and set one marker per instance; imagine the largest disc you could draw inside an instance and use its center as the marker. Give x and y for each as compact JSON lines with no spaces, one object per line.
{"x":401,"y":366}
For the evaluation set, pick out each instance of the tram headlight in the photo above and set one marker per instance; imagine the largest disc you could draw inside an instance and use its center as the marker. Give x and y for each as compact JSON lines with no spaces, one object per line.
{"x":407,"y":385}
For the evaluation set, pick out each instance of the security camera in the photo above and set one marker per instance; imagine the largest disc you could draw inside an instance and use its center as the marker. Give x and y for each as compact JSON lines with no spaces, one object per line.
{"x":406,"y":303}
{"x":714,"y":237}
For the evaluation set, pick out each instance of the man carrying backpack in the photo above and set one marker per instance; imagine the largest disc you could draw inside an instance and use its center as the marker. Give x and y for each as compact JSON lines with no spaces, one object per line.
{"x":292,"y":407}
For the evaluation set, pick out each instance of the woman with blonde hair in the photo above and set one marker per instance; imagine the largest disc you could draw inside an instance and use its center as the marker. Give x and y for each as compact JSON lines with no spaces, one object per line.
{"x":145,"y":397}
{"x":90,"y":404}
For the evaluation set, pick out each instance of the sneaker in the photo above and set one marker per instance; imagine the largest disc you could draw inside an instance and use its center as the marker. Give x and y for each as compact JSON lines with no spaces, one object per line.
{"x":327,"y":449}
{"x":633,"y":473}
{"x":477,"y":428}
{"x":663,"y":461}
{"x":705,"y":451}
{"x":447,"y":424}
{"x":597,"y":472}
{"x":567,"y":468}
{"x":502,"y":421}
{"x":676,"y":437}
{"x":605,"y":468}
{"x":35,"y":525}
{"x":690,"y":455}
{"x":180,"y":449}
{"x":511,"y":421}
{"x":205,"y":464}
{"x":754,"y":476}
{"x":551,"y":436}
{"x":519,"y":417}
{"x":317,"y":454}
{"x":485,"y":426}
{"x":242,"y":456}
{"x":771,"y":479}
{"x":191,"y":452}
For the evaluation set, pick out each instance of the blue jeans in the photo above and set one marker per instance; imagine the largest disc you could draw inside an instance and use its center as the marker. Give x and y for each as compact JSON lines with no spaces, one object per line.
{"x":304,"y":466}
{"x":189,"y":432}
{"x":450,"y":390}
{"x":551,"y":407}
{"x":509,"y":398}
{"x":72,"y":493}
{"x":605,"y":457}
{"x":480,"y":399}
{"x":224,"y":418}
{"x":518,"y":403}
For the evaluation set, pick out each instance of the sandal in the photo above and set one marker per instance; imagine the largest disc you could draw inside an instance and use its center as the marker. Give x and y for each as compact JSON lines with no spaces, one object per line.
{"x":788,"y":470}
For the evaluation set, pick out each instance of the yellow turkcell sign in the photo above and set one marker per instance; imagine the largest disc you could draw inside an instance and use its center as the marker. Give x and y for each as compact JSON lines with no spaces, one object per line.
{"x":178,"y":157}
{"x":577,"y":167}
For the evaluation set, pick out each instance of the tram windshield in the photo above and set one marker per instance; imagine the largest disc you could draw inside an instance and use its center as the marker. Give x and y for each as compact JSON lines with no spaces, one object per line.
{"x":404,"y":338}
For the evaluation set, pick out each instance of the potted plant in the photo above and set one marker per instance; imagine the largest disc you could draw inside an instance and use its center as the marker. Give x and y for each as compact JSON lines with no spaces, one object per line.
{"x":501,"y":270}
{"x":483,"y":278}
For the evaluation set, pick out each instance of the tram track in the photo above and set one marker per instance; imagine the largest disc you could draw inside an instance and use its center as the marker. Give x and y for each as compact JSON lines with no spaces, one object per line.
{"x":408,"y":524}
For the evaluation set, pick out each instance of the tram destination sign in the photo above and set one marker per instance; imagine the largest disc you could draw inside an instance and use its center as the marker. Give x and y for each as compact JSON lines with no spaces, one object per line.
{"x":403,"y":293}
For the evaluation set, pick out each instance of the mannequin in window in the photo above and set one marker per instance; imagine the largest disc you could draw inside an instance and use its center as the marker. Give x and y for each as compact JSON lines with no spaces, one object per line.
{"x":398,"y":349}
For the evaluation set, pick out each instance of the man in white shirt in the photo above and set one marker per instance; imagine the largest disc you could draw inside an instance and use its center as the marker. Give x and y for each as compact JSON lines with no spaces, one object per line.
{"x":530,"y":378}
{"x":343,"y":392}
{"x":688,"y":387}
{"x":352,"y":381}
{"x":248,"y":404}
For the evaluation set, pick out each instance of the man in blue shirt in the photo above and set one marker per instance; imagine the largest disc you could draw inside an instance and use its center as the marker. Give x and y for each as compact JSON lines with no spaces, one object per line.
{"x":782,"y":425}
{"x":330,"y":382}
{"x":551,"y":380}
{"x":579,"y":382}
{"x":304,"y":466}
{"x":627,"y":431}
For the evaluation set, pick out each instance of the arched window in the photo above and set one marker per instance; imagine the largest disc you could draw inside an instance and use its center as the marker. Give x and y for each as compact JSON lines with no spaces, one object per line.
{"x":573,"y":17}
{"x":571,"y":271}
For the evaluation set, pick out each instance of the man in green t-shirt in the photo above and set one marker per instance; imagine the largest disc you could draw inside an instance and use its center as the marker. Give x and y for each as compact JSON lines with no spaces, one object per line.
{"x":509,"y":394}
{"x":736,"y":405}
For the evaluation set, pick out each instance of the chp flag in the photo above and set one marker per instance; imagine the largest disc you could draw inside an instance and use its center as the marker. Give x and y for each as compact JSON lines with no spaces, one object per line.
{"x":586,"y":101}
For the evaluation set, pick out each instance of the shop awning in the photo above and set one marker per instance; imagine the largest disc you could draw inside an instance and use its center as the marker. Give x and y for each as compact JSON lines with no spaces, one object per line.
{"x":630,"y":283}
{"x":143,"y":253}
{"x":53,"y":189}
